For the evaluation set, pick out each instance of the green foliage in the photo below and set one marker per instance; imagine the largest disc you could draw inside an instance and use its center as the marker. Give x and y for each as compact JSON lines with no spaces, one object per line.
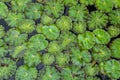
{"x":7,"y":68}
{"x":3,"y":48}
{"x":104,"y":5}
{"x":115,"y":50}
{"x":77,"y":72}
{"x":34,"y":11}
{"x":3,"y":51}
{"x":97,"y":20}
{"x":66,"y":74}
{"x":114,"y":17}
{"x":62,"y":59}
{"x":19,"y":5}
{"x":66,"y":38}
{"x":38,"y":28}
{"x":2,"y":42}
{"x":48,"y":59}
{"x":101,"y":36}
{"x":49,"y":73}
{"x":41,"y":1}
{"x":87,"y":2}
{"x":91,"y":69}
{"x":70,"y":2}
{"x":14,"y":37}
{"x":78,"y":12}
{"x":47,"y":20}
{"x":101,"y":53}
{"x":27,"y":26}
{"x":114,"y":31}
{"x":54,"y":8}
{"x":116,"y":3}
{"x":2,"y":32}
{"x":32,"y":58}
{"x":18,"y":51}
{"x":3,"y":10}
{"x":86,"y":40}
{"x":80,"y":58}
{"x":6,"y":0}
{"x":51,"y":32}
{"x":92,"y":78}
{"x":73,"y":73}
{"x":64,"y":23}
{"x":13,"y":19}
{"x":52,"y":47}
{"x":112,"y":68}
{"x":26,"y":73}
{"x":79,"y":27}
{"x":37,"y":42}
{"x":60,"y":39}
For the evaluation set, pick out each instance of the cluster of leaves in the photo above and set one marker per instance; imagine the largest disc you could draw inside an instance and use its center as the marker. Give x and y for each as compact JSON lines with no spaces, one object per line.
{"x":72,"y":39}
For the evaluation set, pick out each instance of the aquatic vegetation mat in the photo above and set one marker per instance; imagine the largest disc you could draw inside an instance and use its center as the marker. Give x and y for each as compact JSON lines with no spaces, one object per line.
{"x":59,"y":39}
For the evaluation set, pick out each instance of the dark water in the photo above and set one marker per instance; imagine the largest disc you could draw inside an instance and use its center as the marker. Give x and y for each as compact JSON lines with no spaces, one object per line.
{"x":4,"y":24}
